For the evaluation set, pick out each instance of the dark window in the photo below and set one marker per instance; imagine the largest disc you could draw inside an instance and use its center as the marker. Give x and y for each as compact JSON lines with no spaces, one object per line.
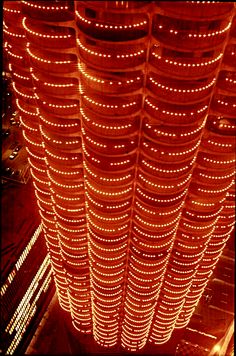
{"x":90,"y":13}
{"x":90,"y":42}
{"x":208,"y":54}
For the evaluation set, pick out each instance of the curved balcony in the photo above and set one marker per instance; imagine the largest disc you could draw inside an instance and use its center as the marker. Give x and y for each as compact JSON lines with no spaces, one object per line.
{"x":40,"y":166}
{"x":73,"y":221}
{"x":152,"y":183}
{"x":64,"y":237}
{"x":114,"y":6}
{"x":61,"y":142}
{"x":114,"y":193}
{"x":217,"y":161}
{"x":143,"y":255}
{"x":42,"y":204}
{"x":41,"y":10}
{"x":104,"y":276}
{"x":55,"y":106}
{"x":15,"y":35}
{"x":109,"y":178}
{"x":102,"y":219}
{"x":212,"y":176}
{"x":183,"y":245}
{"x":109,"y":84}
{"x":177,"y":65}
{"x":62,"y":203}
{"x":66,"y":158}
{"x":197,"y":242}
{"x":177,"y":91}
{"x":66,"y":187}
{"x":71,"y":218}
{"x":227,"y":81}
{"x":21,"y":76}
{"x":65,"y":172}
{"x":163,"y":170}
{"x":184,"y":270}
{"x":198,"y":216}
{"x":202,"y":203}
{"x":224,"y":105}
{"x":223,"y":126}
{"x":52,"y":62}
{"x":203,"y":228}
{"x":172,"y":135}
{"x":108,"y":57}
{"x":155,"y":199}
{"x":114,"y":164}
{"x":108,"y":26}
{"x":12,"y":12}
{"x":165,"y":153}
{"x":107,"y":127}
{"x":66,"y":179}
{"x":56,"y":86}
{"x":49,"y":36}
{"x":196,"y":10}
{"x":122,"y":106}
{"x":17,"y":56}
{"x":202,"y":189}
{"x":164,"y":186}
{"x":216,"y":143}
{"x":26,"y":94}
{"x":105,"y":227}
{"x":109,"y":147}
{"x":175,"y":114}
{"x":28,"y":111}
{"x":160,"y":227}
{"x":58,"y":125}
{"x":115,"y":241}
{"x":189,"y":35}
{"x":103,"y":204}
{"x":50,"y":224}
{"x":154,"y":212}
{"x":135,"y":264}
{"x":230,"y":56}
{"x":33,"y":141}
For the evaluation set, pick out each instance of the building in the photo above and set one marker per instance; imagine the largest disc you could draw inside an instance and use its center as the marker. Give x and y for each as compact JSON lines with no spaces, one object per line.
{"x":128,"y":115}
{"x":26,"y":277}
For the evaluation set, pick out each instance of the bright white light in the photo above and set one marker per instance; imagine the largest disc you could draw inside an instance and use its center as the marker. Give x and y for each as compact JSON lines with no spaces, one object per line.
{"x":216,"y":348}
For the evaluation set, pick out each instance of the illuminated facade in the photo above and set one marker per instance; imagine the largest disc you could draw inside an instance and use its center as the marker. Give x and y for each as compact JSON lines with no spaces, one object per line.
{"x":128,"y":111}
{"x":24,"y":292}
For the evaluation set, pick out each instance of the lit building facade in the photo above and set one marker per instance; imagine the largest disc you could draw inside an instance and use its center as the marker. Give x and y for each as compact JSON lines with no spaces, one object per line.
{"x":25,"y":290}
{"x":127,"y":110}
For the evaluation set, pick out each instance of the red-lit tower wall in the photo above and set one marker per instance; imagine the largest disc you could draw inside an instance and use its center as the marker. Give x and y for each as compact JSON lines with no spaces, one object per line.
{"x":127,"y":113}
{"x":46,"y":88}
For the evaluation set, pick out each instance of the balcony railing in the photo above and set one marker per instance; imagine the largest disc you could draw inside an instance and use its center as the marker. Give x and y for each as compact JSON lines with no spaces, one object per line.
{"x":105,"y":125}
{"x":174,"y":114}
{"x":49,"y":36}
{"x":184,"y":67}
{"x":197,"y":10}
{"x":122,"y":106}
{"x":169,"y":33}
{"x":177,"y":91}
{"x":113,"y":27}
{"x":59,"y":12}
{"x":122,"y":84}
{"x":51,"y":62}
{"x":120,"y":58}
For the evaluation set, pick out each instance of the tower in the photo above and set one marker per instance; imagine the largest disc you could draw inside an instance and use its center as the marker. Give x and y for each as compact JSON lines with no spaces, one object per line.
{"x":127,"y":111}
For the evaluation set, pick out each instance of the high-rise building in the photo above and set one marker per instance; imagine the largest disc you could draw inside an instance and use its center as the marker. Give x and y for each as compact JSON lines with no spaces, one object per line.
{"x":26,"y":283}
{"x":128,"y":111}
